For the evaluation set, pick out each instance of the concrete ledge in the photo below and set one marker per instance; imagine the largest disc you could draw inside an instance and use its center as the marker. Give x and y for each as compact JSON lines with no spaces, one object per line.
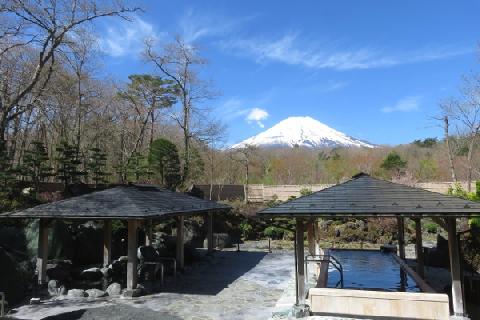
{"x":379,"y":304}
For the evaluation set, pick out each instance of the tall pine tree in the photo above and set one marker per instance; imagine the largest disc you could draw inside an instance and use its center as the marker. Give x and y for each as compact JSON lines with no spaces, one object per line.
{"x":68,"y":170}
{"x":137,"y":167}
{"x":96,"y":165}
{"x":35,"y":166}
{"x":165,"y":162}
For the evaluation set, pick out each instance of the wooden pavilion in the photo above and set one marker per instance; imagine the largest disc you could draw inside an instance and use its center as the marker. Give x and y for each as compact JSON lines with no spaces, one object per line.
{"x":365,"y":196}
{"x":138,"y":204}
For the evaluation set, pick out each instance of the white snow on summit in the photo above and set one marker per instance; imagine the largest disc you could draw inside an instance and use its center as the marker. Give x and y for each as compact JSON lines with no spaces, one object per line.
{"x":302,"y":132}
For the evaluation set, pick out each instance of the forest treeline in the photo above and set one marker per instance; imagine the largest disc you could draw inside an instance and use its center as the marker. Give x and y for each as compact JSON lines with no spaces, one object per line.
{"x":62,"y":121}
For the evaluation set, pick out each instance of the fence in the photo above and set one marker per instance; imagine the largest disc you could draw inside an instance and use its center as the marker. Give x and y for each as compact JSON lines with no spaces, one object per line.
{"x":260,"y":193}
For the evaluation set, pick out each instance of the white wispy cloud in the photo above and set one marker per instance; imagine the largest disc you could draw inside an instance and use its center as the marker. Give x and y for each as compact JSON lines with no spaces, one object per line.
{"x":407,"y":104}
{"x":233,"y":108}
{"x":290,"y":49}
{"x":122,"y":38}
{"x":195,"y":24}
{"x":257,"y":115}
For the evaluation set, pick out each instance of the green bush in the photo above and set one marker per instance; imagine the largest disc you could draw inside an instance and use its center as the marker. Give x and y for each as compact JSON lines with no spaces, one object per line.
{"x":273,"y":202}
{"x":431,"y":227}
{"x":246,"y":229}
{"x":305,"y":192}
{"x":474,"y":222}
{"x":273,"y":232}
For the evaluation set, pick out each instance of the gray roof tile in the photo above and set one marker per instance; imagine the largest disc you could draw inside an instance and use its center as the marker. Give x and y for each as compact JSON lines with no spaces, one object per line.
{"x":367,"y":196}
{"x":122,"y":202}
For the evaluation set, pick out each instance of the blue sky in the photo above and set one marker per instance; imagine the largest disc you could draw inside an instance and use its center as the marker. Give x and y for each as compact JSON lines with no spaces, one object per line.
{"x":375,"y":70}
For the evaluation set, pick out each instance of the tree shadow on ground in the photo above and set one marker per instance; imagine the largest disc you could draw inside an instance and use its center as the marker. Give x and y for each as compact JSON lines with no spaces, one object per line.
{"x":209,"y":278}
{"x":117,"y":312}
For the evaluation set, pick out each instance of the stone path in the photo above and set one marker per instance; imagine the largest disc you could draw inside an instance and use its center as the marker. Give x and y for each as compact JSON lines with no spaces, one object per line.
{"x":232,"y":285}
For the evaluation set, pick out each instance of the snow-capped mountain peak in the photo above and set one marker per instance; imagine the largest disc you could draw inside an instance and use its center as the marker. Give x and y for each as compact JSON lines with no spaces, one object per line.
{"x":302,"y":132}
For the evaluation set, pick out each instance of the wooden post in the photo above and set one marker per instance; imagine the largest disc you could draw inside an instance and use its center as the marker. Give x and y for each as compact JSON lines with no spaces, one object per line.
{"x":107,"y":242}
{"x":180,"y":246}
{"x":311,"y":237}
{"x":401,"y":237}
{"x":419,"y":247}
{"x":316,"y":229}
{"x":210,"y":232}
{"x":42,"y":251}
{"x":132,"y":255}
{"x":457,"y":288}
{"x":148,"y":233}
{"x":300,"y":262}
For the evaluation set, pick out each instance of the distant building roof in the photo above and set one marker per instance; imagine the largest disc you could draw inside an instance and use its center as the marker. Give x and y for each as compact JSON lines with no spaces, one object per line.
{"x":122,"y":202}
{"x":367,"y":196}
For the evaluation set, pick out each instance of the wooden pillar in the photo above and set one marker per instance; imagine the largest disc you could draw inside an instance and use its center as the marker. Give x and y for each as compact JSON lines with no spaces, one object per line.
{"x":132,"y":255}
{"x":318,"y":249}
{"x":457,"y":288}
{"x":209,"y":217}
{"x":42,"y":251}
{"x":180,"y":245}
{"x":419,"y":247}
{"x":148,"y":232}
{"x":401,"y":237}
{"x":107,"y":242}
{"x":311,"y":237}
{"x":300,"y":262}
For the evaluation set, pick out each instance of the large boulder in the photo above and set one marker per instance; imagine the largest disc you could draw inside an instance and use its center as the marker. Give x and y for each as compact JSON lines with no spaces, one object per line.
{"x":92,"y":274}
{"x":107,"y":272}
{"x":76,"y":293}
{"x":55,"y":289}
{"x":114,"y":289}
{"x":95,"y":293}
{"x":119,"y":269}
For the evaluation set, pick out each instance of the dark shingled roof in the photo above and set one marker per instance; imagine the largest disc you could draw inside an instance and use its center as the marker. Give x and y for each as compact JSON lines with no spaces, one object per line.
{"x":122,"y":202}
{"x":367,"y":196}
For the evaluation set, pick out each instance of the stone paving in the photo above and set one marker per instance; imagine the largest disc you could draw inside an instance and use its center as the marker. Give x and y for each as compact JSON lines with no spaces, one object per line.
{"x":232,"y":285}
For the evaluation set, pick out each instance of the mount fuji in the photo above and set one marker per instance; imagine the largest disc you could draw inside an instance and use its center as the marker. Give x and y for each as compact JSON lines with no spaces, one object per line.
{"x":303,"y":132}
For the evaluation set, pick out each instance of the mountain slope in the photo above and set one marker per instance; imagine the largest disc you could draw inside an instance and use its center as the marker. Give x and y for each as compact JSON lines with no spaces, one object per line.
{"x":302,"y":132}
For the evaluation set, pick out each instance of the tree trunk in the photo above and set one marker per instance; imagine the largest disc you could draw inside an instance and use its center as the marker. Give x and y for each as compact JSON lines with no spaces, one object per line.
{"x":449,"y":151}
{"x":152,"y":129}
{"x":186,"y":139}
{"x":469,"y":163}
{"x":3,"y":132}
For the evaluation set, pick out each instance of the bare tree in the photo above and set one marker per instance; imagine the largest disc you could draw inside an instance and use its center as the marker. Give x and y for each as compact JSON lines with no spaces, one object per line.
{"x":446,"y":126}
{"x":180,"y":62}
{"x":44,"y":26}
{"x":465,"y":113}
{"x":215,"y":140}
{"x":244,"y":155}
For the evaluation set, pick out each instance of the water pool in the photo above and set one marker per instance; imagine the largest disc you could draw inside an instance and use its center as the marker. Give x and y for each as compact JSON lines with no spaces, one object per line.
{"x":370,"y":270}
